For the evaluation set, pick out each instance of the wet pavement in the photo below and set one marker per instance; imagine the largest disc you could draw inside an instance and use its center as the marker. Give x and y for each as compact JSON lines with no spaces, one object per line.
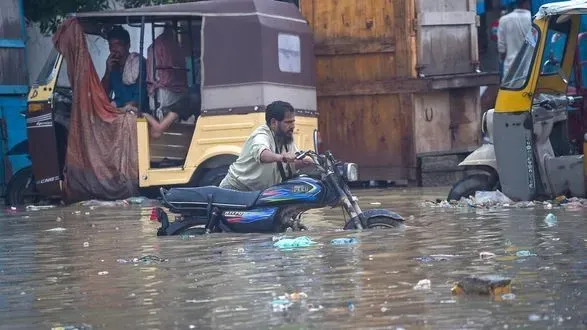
{"x":104,"y":267}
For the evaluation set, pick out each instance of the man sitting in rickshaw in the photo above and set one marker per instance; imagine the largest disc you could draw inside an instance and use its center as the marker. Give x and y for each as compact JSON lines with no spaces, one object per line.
{"x":122,"y":71}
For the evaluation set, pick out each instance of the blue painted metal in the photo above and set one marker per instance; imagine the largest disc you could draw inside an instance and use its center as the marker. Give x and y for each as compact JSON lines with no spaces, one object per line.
{"x":14,"y":89}
{"x":480,"y":7}
{"x":10,"y":110}
{"x":13,"y":101}
{"x":12,"y":43}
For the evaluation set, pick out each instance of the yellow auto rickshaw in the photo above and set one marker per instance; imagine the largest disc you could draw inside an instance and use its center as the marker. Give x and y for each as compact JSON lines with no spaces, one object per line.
{"x":537,"y":131}
{"x":249,"y":54}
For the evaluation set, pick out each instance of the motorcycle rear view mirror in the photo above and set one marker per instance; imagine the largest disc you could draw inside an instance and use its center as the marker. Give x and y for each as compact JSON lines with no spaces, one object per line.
{"x":315,"y":138}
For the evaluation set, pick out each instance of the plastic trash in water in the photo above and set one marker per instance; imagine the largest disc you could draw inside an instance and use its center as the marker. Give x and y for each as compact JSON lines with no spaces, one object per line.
{"x":39,"y":207}
{"x":56,"y":229}
{"x":437,"y":257}
{"x":99,"y":203}
{"x":486,"y":255}
{"x":550,"y":220}
{"x":136,"y":200}
{"x":491,"y":197}
{"x":296,"y":296}
{"x":288,"y":243}
{"x":344,"y":241}
{"x":525,"y":253}
{"x":424,"y":284}
{"x":351,"y":306}
{"x":145,"y":260}
{"x":281,"y":304}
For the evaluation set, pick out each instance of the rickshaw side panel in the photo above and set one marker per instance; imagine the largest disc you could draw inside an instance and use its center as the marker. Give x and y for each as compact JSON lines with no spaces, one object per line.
{"x":42,"y":135}
{"x":285,"y":40}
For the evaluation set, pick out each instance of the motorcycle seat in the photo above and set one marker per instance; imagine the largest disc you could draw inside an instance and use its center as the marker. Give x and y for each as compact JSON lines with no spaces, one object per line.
{"x":198,"y":196}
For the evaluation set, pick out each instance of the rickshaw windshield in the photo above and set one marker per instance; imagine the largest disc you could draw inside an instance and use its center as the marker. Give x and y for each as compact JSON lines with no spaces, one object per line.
{"x":45,"y":74}
{"x":519,"y":72}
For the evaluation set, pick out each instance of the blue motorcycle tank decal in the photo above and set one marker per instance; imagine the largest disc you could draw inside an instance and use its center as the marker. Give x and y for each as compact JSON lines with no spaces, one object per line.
{"x":303,"y":190}
{"x":250,"y":216}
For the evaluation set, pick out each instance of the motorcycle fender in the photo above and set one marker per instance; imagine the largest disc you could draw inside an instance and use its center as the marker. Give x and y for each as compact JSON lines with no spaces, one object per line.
{"x":382,"y":213}
{"x":375,"y":213}
{"x":484,"y":155}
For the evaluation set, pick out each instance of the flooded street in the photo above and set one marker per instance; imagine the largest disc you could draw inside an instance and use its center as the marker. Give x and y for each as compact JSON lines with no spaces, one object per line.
{"x":80,"y":265}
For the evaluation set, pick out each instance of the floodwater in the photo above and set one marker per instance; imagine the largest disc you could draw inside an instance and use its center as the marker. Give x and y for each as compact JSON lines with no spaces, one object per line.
{"x":66,"y":267}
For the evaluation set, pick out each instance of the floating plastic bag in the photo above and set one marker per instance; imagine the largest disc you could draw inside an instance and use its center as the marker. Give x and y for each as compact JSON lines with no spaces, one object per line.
{"x":491,"y":197}
{"x":550,"y":220}
{"x":288,"y":243}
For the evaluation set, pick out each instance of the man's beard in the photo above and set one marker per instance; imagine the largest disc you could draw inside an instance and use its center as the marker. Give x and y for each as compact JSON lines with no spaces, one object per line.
{"x":283,"y":138}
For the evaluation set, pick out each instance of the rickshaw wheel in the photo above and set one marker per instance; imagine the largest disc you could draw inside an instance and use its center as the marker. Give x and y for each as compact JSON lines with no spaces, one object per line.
{"x":469,"y":185}
{"x":21,"y":188}
{"x":213,"y":177}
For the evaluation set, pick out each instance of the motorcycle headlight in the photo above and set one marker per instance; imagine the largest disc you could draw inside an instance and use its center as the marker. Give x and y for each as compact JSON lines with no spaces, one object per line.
{"x":351,"y":172}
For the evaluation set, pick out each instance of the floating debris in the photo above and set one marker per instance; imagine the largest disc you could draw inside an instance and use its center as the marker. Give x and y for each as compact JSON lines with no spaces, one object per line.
{"x":525,"y":253}
{"x":98,"y":203}
{"x":344,"y":241}
{"x":105,"y":272}
{"x":86,"y":244}
{"x":493,"y":285}
{"x":436,"y":257}
{"x":351,"y":306}
{"x":56,"y":229}
{"x":550,"y":220}
{"x":492,"y":199}
{"x":314,"y":308}
{"x":281,"y":305}
{"x":296,"y":296}
{"x":424,"y":284}
{"x":288,"y":243}
{"x":146,"y":260}
{"x":39,"y":207}
{"x":487,"y":255}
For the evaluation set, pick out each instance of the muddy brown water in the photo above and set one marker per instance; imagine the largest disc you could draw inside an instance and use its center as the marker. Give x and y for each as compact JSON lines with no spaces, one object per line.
{"x":50,"y":277}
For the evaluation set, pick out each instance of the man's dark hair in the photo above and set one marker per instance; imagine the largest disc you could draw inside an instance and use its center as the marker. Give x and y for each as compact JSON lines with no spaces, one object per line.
{"x":119,"y":33}
{"x":276,"y":110}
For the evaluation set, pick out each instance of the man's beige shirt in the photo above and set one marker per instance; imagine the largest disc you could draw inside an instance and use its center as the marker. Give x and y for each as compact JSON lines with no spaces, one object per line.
{"x":247,"y":173}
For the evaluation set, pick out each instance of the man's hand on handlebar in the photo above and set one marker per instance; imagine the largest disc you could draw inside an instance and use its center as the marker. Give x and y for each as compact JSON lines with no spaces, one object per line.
{"x":302,"y":159}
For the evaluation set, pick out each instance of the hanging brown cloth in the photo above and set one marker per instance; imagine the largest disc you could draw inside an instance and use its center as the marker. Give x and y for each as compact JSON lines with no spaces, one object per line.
{"x":101,"y":160}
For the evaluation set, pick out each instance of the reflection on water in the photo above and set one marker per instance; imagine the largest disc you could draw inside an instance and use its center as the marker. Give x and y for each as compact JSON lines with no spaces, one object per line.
{"x":51,"y":277}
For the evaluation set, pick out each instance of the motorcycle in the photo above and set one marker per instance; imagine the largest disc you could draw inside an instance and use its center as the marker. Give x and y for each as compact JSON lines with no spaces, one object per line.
{"x":276,"y":209}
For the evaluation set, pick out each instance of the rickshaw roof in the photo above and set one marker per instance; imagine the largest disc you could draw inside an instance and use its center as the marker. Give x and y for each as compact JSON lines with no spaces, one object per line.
{"x":200,"y":8}
{"x":571,"y":7}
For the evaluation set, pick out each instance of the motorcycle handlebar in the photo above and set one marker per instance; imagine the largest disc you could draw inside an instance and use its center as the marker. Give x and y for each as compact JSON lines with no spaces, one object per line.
{"x":301,"y":154}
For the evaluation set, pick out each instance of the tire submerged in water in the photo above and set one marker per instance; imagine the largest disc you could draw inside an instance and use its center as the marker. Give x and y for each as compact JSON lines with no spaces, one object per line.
{"x":21,"y":188}
{"x":471,"y":184}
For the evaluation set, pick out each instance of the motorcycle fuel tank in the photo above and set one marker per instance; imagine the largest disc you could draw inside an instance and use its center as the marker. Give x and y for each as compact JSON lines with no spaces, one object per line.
{"x":295,"y":191}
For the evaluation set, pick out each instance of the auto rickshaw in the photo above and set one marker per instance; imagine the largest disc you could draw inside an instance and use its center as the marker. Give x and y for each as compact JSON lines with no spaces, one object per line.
{"x":536,"y":132}
{"x":250,"y":53}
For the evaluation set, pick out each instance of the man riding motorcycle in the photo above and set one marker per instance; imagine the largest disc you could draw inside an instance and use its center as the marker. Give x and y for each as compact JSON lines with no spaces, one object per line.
{"x":260,"y":164}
